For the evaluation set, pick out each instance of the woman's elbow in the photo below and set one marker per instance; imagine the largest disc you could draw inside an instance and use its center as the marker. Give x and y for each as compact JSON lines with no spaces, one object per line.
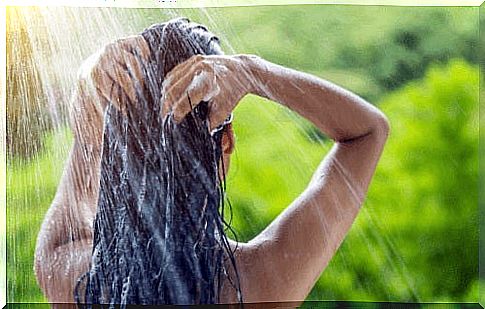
{"x":382,"y":127}
{"x":41,"y":268}
{"x":376,"y":130}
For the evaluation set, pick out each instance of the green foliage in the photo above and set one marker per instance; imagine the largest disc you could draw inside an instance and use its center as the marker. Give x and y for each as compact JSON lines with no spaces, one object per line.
{"x":429,"y":170}
{"x":417,"y":40}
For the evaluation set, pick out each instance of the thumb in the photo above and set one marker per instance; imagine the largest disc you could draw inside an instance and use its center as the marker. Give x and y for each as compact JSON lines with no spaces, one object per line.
{"x":218,"y":113}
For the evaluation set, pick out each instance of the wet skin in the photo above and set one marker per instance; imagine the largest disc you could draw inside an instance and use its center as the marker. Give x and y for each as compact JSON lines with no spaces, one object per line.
{"x":284,"y":261}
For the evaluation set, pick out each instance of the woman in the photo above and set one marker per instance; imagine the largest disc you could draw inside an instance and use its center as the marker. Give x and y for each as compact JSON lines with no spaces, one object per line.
{"x":284,"y":261}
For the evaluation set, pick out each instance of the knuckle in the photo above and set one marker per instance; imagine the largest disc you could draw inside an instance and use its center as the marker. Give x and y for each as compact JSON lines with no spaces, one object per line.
{"x":134,"y":44}
{"x":245,"y":57}
{"x":129,"y":40}
{"x":119,"y":42}
{"x":207,"y":66}
{"x":198,"y":58}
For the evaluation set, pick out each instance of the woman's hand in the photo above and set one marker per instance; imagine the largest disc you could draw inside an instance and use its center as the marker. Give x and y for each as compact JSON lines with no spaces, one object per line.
{"x":220,"y":80}
{"x":117,"y":69}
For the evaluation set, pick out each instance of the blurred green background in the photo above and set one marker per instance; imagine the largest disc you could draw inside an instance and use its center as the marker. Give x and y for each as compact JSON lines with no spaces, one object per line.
{"x":416,"y":238}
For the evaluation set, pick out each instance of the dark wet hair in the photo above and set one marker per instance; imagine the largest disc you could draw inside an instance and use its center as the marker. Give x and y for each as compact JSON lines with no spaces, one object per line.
{"x":159,"y":232}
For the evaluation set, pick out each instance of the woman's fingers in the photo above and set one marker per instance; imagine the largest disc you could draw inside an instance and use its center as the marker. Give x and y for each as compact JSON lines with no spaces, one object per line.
{"x":120,"y":68}
{"x":111,"y":73}
{"x":197,"y":82}
{"x":177,"y":85}
{"x":181,"y":72}
{"x":181,"y":68}
{"x":135,"y":44}
{"x":215,"y":79}
{"x":218,"y":112}
{"x":202,"y":88}
{"x":181,"y":78}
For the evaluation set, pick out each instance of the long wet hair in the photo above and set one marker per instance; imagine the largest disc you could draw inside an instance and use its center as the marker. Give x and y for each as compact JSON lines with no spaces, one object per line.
{"x":159,"y":231}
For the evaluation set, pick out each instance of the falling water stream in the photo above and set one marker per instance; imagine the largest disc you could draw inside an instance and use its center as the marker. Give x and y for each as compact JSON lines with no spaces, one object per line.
{"x":53,"y":42}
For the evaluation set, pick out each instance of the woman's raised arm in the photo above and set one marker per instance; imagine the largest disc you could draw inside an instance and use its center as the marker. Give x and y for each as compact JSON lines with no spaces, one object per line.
{"x":297,"y":246}
{"x":283,"y":262}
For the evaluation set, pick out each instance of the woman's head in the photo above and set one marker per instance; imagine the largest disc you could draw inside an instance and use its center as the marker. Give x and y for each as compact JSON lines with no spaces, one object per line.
{"x":159,"y":230}
{"x":183,"y":39}
{"x":177,"y":40}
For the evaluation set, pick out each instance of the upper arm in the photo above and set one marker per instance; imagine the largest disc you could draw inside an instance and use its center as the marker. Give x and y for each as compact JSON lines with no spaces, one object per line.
{"x":290,"y":254}
{"x":64,"y":242}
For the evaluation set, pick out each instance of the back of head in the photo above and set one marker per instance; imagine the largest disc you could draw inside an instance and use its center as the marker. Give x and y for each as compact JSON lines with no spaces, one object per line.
{"x":158,"y":233}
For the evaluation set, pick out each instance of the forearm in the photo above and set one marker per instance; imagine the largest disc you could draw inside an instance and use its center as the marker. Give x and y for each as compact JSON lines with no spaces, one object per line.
{"x":337,"y":112}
